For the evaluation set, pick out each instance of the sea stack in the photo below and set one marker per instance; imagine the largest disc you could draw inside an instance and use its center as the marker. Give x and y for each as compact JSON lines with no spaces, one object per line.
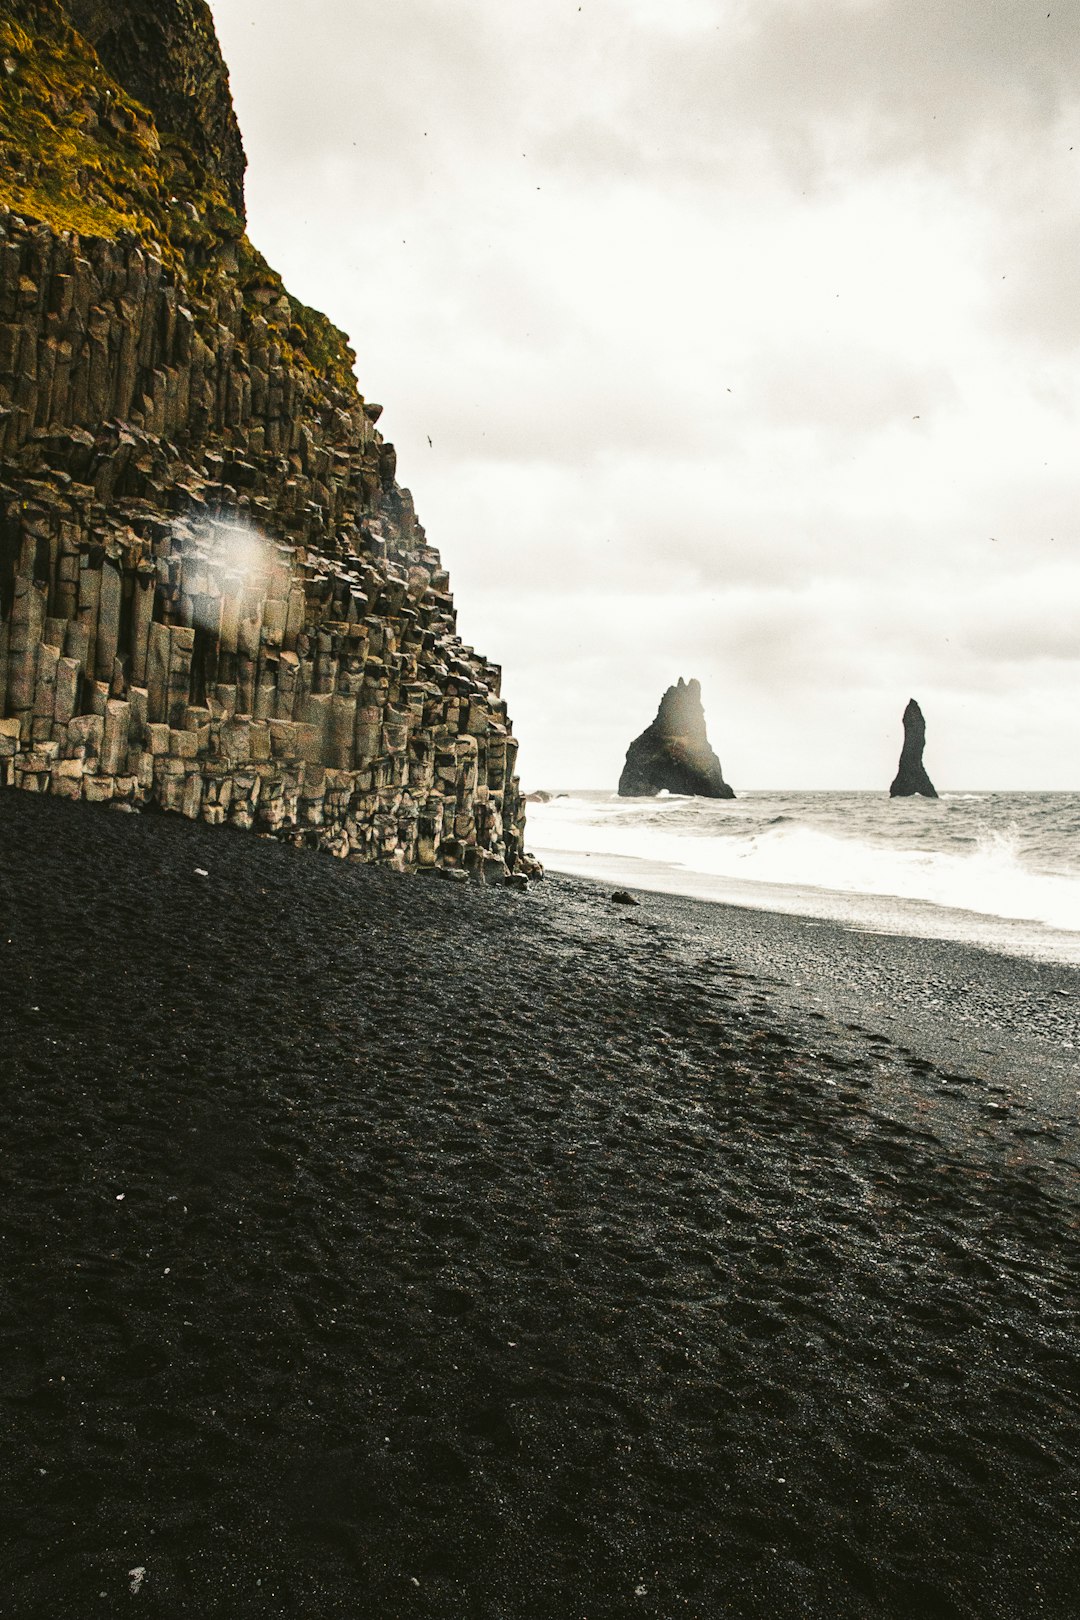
{"x":674,"y":753}
{"x":911,"y":777}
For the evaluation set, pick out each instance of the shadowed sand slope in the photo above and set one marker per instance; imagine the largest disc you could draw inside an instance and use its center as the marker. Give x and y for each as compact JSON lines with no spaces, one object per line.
{"x":378,"y":1246}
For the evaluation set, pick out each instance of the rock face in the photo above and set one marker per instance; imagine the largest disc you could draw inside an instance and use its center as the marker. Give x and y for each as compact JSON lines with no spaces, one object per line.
{"x":166,"y":55}
{"x":214,"y":596}
{"x":911,"y":777}
{"x":674,"y":752}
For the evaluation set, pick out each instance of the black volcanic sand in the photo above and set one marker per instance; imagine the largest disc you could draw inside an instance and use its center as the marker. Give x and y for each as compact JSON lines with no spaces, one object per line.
{"x":377,"y":1246}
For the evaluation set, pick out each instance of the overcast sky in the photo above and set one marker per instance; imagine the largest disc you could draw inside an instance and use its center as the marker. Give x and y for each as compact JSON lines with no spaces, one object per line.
{"x":746,"y":336}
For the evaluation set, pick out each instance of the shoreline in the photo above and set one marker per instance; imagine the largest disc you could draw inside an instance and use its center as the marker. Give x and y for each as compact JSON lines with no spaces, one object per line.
{"x":382,"y":1244}
{"x":943,"y":871}
{"x":860,"y":912}
{"x":996,"y":1015}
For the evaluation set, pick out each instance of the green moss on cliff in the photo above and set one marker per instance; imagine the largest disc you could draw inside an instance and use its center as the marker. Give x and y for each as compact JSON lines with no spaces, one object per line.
{"x":77,"y":153}
{"x":165,"y":53}
{"x":80,"y":155}
{"x":305,"y":335}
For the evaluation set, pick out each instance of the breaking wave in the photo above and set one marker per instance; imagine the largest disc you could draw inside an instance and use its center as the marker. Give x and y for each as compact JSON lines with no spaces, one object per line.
{"x":1015,"y":860}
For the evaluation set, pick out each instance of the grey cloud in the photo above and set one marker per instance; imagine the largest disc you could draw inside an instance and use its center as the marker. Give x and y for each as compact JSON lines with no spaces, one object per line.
{"x":848,"y":390}
{"x":611,"y":516}
{"x":1037,"y":291}
{"x":1035,"y":633}
{"x":313,"y":91}
{"x":822,"y":87}
{"x":572,"y":404}
{"x":900,"y":78}
{"x":670,"y":525}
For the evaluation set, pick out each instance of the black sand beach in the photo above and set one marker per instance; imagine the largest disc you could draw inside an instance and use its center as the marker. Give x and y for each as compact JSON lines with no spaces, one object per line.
{"x":377,"y":1246}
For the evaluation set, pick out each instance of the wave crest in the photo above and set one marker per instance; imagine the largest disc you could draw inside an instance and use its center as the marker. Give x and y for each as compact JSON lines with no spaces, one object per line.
{"x":982,"y":871}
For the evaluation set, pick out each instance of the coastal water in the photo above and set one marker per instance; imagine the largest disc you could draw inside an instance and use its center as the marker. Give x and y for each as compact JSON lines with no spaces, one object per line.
{"x":995,"y":869}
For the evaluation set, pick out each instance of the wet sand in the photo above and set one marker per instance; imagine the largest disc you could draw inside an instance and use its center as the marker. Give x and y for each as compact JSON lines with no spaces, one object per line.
{"x":377,"y":1246}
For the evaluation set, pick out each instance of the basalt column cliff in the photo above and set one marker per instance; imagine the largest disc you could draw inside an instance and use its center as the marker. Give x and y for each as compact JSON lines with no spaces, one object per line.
{"x":214,"y":596}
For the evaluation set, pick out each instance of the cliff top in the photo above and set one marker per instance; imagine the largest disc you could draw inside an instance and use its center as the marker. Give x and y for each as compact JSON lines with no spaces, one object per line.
{"x":135,"y":136}
{"x":167,"y":56}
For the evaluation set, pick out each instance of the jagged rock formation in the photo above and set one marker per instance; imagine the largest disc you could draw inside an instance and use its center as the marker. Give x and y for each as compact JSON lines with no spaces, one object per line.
{"x":674,"y":752}
{"x":214,"y":596}
{"x":911,"y":777}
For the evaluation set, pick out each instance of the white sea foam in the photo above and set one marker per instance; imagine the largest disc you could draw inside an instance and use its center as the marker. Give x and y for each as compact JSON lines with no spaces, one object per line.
{"x":998,"y":856}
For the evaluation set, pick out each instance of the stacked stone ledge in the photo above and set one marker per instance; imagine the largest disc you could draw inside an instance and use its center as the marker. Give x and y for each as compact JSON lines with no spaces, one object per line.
{"x":214,"y":597}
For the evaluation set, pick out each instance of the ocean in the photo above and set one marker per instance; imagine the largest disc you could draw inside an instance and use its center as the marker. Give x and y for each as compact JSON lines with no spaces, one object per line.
{"x":1000,"y":870}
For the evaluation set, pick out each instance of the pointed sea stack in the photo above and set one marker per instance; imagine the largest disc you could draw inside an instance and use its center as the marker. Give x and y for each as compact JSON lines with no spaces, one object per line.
{"x":911,"y":777}
{"x":674,"y":752}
